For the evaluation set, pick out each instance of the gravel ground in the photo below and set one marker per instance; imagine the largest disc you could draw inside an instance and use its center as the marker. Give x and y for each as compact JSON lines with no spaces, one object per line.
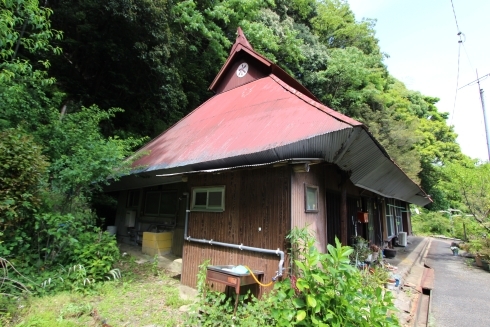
{"x":461,"y":295}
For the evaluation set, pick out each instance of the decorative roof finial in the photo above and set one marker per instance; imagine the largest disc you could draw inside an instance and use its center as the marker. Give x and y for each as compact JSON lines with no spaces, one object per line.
{"x":242,"y":39}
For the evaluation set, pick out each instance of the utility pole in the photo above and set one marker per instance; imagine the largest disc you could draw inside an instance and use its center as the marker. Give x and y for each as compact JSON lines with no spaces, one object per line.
{"x":487,"y":128}
{"x":484,"y":115}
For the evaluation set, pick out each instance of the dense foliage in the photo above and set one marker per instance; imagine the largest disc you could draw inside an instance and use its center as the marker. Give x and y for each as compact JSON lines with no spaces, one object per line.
{"x":83,"y":82}
{"x":155,"y":59}
{"x":324,"y":289}
{"x":52,"y":158}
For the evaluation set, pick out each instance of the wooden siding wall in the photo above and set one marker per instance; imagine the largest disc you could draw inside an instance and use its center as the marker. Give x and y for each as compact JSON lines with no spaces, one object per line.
{"x":332,"y":193}
{"x":315,"y":220}
{"x":378,"y":221}
{"x":332,"y":181}
{"x":253,"y":198}
{"x":333,"y":216}
{"x":256,"y":70}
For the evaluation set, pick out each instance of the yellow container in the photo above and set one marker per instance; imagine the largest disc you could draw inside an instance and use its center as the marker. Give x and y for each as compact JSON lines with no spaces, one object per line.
{"x":157,"y":243}
{"x":157,"y":236}
{"x":153,"y":252}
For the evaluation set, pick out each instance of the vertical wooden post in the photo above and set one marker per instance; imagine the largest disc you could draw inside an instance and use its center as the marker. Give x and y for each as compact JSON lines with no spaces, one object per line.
{"x":343,"y":208}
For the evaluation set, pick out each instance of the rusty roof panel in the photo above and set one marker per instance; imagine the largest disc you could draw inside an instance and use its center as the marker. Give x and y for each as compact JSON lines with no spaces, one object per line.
{"x":266,"y":121}
{"x":257,"y":117}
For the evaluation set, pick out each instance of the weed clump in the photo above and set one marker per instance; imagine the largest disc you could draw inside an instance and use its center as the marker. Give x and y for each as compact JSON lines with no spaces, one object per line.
{"x":323,"y":289}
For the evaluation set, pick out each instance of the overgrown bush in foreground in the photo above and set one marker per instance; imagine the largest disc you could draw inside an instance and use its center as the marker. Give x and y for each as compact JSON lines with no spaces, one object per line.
{"x":324,"y":290}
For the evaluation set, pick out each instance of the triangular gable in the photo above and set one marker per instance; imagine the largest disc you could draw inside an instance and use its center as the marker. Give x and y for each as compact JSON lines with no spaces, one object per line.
{"x":245,"y":65}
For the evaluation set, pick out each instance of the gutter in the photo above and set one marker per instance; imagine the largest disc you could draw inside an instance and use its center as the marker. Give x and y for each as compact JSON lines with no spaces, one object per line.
{"x":278,"y":252}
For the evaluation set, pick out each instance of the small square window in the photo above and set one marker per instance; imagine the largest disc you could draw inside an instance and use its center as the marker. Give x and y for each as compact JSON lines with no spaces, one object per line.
{"x":208,"y":198}
{"x":200,"y":198}
{"x":215,"y":199}
{"x":311,"y":198}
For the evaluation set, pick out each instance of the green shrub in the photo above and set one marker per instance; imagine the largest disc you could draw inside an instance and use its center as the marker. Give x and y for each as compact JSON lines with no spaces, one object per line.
{"x":22,"y":173}
{"x":325,"y":290}
{"x":97,"y":252}
{"x":432,"y":223}
{"x":328,"y":291}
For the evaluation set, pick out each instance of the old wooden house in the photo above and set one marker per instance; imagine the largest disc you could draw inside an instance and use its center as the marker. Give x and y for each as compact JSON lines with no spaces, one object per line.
{"x":263,"y":155}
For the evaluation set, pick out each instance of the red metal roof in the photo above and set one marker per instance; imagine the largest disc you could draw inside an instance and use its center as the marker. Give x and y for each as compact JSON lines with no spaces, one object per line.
{"x":266,"y":119}
{"x":258,"y":116}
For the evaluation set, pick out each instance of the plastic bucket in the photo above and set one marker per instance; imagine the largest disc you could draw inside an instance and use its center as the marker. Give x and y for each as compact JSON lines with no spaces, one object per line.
{"x":112,"y":230}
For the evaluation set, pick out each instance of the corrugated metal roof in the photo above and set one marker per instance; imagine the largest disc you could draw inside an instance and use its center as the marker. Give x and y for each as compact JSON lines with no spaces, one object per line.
{"x":256,"y":120}
{"x":266,"y":121}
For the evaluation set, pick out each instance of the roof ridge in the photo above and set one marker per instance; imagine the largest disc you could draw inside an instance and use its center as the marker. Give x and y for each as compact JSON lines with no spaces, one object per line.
{"x":329,"y":111}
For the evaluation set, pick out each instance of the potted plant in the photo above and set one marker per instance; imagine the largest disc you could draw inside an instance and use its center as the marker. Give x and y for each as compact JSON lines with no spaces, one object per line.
{"x":485,"y":264}
{"x":375,"y":251}
{"x":475,"y":246}
{"x":455,"y":248}
{"x":379,"y":276}
{"x":389,"y":253}
{"x":485,"y":258}
{"x":361,"y":250}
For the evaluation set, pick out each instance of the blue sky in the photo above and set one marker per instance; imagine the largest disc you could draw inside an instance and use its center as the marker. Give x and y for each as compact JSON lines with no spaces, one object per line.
{"x":420,"y":36}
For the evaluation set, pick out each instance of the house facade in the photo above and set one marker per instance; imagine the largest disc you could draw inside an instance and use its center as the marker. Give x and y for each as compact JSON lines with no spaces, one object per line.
{"x":262,"y":156}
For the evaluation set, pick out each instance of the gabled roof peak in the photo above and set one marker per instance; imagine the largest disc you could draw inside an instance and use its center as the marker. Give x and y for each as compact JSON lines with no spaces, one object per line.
{"x":258,"y":67}
{"x":242,"y":39}
{"x":240,"y":42}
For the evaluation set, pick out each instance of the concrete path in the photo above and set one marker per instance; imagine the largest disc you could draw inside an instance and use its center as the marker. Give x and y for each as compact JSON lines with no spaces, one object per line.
{"x":461,"y":294}
{"x":410,"y":263}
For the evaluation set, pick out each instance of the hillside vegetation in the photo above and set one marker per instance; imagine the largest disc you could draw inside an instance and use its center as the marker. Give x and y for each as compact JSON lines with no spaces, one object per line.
{"x":84,"y":83}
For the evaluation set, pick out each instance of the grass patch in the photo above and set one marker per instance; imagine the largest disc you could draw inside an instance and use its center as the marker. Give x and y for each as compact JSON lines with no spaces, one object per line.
{"x":143,"y":296}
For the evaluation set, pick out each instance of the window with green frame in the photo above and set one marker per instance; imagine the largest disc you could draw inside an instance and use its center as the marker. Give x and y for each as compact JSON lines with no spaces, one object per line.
{"x":210,"y":198}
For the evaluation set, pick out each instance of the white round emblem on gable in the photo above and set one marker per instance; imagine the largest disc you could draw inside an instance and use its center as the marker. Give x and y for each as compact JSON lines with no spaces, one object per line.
{"x":242,"y":69}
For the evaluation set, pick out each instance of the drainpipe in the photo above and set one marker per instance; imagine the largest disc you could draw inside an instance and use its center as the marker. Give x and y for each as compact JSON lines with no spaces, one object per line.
{"x":234,"y":246}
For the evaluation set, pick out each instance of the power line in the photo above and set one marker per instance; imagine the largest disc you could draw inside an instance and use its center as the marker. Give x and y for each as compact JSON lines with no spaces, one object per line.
{"x":460,"y":42}
{"x":467,"y":56}
{"x":455,"y":19}
{"x":477,"y":80}
{"x":457,"y":82}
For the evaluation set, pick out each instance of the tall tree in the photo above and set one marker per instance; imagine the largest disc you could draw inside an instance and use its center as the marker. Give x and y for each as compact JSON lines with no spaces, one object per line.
{"x":471,"y":181}
{"x":155,"y":59}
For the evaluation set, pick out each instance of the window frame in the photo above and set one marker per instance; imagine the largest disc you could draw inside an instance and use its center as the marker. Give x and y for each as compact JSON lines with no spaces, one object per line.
{"x":207,"y":190}
{"x":133,"y":199}
{"x":397,"y":208}
{"x":316,"y":188}
{"x":390,"y":218}
{"x":160,"y":193}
